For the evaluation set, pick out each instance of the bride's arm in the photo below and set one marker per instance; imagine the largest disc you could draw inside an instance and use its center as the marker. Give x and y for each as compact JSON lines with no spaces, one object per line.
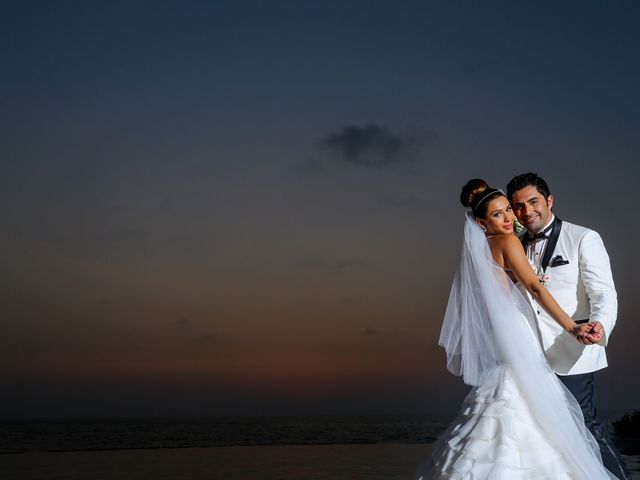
{"x":516,"y":260}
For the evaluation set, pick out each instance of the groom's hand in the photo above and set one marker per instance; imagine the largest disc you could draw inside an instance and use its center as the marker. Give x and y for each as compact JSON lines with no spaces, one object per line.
{"x":591,"y":334}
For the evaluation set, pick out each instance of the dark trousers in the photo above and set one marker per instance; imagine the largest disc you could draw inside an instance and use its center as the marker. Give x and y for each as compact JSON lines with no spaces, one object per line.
{"x":583,"y":387}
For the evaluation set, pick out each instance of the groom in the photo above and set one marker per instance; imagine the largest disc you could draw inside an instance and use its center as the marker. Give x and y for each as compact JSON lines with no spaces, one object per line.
{"x":573,"y":264}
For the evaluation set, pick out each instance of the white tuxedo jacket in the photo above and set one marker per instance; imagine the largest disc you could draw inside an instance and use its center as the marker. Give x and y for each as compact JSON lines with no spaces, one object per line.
{"x":581,"y":282}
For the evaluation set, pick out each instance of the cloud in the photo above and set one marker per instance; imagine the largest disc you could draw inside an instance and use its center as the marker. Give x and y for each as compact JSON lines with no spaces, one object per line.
{"x":374,"y":332}
{"x":183,"y":322}
{"x":338,"y":266}
{"x":374,"y":145}
{"x":206,"y":338}
{"x":371,"y":332}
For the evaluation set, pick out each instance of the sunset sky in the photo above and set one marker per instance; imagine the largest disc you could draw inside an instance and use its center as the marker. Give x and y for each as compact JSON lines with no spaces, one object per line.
{"x":251,"y":207}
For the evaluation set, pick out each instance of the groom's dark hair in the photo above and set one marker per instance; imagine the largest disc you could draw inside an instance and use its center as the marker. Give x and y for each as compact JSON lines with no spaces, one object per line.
{"x":526,"y":180}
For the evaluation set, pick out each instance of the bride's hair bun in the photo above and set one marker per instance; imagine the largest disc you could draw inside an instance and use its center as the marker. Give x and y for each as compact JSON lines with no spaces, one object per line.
{"x":471,"y":190}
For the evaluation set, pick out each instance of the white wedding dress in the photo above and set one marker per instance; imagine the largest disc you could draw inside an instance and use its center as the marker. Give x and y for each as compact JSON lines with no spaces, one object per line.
{"x":518,"y":421}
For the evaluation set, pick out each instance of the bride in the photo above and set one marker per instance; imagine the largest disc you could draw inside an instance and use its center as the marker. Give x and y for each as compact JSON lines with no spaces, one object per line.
{"x":518,"y":421}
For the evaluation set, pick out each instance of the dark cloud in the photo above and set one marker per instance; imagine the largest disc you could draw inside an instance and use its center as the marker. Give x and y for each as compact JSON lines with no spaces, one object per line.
{"x":371,"y":332}
{"x":375,"y":145}
{"x":333,"y":266}
{"x":182,"y":322}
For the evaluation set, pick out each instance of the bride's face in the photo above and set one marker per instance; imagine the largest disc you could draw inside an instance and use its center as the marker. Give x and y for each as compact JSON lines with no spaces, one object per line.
{"x":499,"y":218}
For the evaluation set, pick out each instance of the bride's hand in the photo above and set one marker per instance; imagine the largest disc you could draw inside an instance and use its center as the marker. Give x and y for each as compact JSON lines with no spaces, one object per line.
{"x":581,"y":331}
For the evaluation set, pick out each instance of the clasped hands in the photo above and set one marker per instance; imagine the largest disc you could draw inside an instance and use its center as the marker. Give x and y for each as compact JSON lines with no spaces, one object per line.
{"x":589,"y":333}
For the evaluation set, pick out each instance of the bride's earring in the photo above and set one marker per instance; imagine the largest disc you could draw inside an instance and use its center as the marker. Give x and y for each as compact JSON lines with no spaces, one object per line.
{"x":484,"y":229}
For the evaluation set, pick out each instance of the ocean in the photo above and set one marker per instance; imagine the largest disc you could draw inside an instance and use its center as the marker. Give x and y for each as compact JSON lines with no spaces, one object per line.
{"x":114,"y":434}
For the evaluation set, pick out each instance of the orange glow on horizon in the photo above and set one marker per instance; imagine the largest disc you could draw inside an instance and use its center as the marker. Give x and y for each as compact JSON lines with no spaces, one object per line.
{"x":290,"y":373}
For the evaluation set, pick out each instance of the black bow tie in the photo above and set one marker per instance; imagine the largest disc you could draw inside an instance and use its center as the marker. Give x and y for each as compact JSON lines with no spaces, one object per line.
{"x":546,"y":233}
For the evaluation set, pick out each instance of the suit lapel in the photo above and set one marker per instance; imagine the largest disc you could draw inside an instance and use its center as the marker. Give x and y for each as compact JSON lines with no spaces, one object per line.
{"x":551,"y":245}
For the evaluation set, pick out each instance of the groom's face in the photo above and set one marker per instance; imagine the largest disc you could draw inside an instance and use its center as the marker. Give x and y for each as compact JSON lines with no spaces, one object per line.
{"x":532,"y":208}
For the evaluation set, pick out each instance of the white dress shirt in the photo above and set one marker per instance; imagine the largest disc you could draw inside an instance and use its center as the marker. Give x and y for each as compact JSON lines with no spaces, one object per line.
{"x":537,"y":247}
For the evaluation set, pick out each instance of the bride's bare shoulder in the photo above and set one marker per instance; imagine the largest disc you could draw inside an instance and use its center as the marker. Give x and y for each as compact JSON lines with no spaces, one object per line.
{"x":507,"y":241}
{"x":503,"y":247}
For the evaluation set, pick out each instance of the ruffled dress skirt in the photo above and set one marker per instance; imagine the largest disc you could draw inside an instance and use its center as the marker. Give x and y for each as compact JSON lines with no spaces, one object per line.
{"x":495,"y":437}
